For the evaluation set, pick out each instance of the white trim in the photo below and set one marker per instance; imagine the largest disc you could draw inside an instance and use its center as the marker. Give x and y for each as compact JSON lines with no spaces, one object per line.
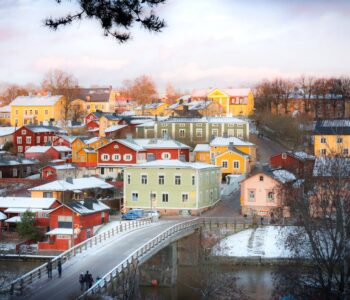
{"x":161,"y":207}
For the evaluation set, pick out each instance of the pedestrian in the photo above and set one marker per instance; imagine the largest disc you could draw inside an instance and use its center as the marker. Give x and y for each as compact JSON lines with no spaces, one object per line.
{"x":81,"y":281}
{"x":91,"y":280}
{"x":59,"y":268}
{"x":49,"y":269}
{"x":262,"y":220}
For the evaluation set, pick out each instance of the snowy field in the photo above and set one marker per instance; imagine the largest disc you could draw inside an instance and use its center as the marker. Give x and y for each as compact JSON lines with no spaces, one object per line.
{"x":265,"y":241}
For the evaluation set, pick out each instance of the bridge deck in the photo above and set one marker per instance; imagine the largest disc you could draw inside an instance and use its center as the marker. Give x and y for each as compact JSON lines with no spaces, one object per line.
{"x":97,"y":260}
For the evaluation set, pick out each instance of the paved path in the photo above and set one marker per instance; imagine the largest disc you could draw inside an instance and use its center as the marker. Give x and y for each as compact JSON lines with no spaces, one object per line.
{"x":98,"y":260}
{"x":229,"y":206}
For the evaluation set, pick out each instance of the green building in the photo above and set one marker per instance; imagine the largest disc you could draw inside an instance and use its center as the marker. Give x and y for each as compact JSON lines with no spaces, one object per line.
{"x":193,"y":131}
{"x":172,"y":187}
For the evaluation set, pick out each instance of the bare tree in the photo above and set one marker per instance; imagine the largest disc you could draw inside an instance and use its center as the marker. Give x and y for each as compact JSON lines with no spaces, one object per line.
{"x":172,"y":94}
{"x":113,"y":16}
{"x":13,"y":91}
{"x":322,"y":206}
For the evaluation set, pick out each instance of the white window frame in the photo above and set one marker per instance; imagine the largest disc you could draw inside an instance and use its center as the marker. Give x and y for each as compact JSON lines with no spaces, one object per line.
{"x":323,"y":140}
{"x":133,"y":198}
{"x":182,"y":133}
{"x":166,"y":155}
{"x":236,"y":162}
{"x":105,"y":157}
{"x":270,"y":199}
{"x":19,"y":140}
{"x":167,"y":197}
{"x":184,"y":197}
{"x":127,"y":157}
{"x":38,"y":139}
{"x":14,"y":172}
{"x":28,"y":139}
{"x":23,"y":132}
{"x":128,"y":178}
{"x":159,"y":182}
{"x":193,"y":179}
{"x":116,"y":157}
{"x":199,"y":132}
{"x":250,"y":199}
{"x":222,"y":164}
{"x":323,"y":151}
{"x":144,"y":179}
{"x":339,"y":140}
{"x":176,"y":178}
{"x":20,"y":148}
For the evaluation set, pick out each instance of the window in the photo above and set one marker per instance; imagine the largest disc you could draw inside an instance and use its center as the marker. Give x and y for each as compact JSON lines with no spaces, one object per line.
{"x":102,"y":171}
{"x":346,"y":152}
{"x":110,"y":170}
{"x":251,"y":195}
{"x":20,"y":149}
{"x":19,"y":140}
{"x":284,"y":155}
{"x":116,"y":157}
{"x":38,"y":139}
{"x":339,"y":140}
{"x":153,"y":196}
{"x":240,"y":133}
{"x":182,"y":132}
{"x":193,"y":180}
{"x":23,"y":132}
{"x":199,"y":133}
{"x":88,"y":107}
{"x":323,"y":151}
{"x":129,"y":179}
{"x":15,"y":172}
{"x":224,"y":164}
{"x":270,"y":197}
{"x":177,"y":180}
{"x":65,"y":221}
{"x":236,"y":164}
{"x":36,"y":111}
{"x":215,"y":132}
{"x":46,"y":112}
{"x":165,"y":197}
{"x":16,"y":111}
{"x":166,"y":155}
{"x":185,"y":197}
{"x":127,"y":157}
{"x":105,"y":157}
{"x":45,"y":139}
{"x":47,"y":195}
{"x":182,"y":124}
{"x":28,"y":139}
{"x":134,"y":196}
{"x":164,"y":132}
{"x":143,"y":179}
{"x":261,"y":178}
{"x":161,"y":179}
{"x":323,"y":140}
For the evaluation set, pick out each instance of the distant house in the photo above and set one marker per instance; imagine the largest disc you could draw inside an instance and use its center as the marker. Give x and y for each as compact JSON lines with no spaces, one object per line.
{"x":37,"y":110}
{"x":74,"y":188}
{"x":5,"y":115}
{"x":59,"y":171}
{"x":84,"y":149}
{"x":151,"y":109}
{"x":332,"y":138}
{"x":6,"y":135}
{"x":63,"y":140}
{"x":171,"y":186}
{"x":299,"y":163}
{"x":262,"y":193}
{"x":32,"y":135}
{"x":14,"y":207}
{"x":48,"y":152}
{"x":74,"y":222}
{"x":16,"y":167}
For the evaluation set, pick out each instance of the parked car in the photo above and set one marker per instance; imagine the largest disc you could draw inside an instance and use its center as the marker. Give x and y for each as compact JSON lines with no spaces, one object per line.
{"x":130,"y":216}
{"x":152,"y":213}
{"x":139,"y":212}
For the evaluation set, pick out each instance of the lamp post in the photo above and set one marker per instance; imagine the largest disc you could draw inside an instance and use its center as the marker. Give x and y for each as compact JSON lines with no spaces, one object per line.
{"x":73,"y":228}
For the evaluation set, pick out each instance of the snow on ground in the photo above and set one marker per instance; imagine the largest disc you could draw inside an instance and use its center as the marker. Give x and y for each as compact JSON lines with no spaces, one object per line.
{"x":265,"y":241}
{"x":7,"y":246}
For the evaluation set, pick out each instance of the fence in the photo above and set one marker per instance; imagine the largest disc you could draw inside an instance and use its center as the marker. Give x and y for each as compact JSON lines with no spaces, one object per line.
{"x":40,"y":271}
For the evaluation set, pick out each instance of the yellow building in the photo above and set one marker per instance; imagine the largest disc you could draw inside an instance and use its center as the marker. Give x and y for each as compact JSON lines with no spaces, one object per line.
{"x":233,"y":155}
{"x":5,"y":115}
{"x":234,"y":102}
{"x":37,"y":109}
{"x":87,"y":156}
{"x":332,"y":137}
{"x":82,"y":143}
{"x":152,"y":109}
{"x":107,"y":120}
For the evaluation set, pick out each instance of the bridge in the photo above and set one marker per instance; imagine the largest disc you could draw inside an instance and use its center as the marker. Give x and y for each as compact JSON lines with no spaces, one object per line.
{"x":112,"y":255}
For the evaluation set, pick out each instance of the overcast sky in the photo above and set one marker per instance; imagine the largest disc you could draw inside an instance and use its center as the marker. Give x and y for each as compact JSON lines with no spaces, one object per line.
{"x":225,"y":43}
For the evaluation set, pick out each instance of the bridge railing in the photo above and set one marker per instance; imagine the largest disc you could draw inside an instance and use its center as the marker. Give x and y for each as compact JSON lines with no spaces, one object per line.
{"x":40,"y":271}
{"x":102,"y":284}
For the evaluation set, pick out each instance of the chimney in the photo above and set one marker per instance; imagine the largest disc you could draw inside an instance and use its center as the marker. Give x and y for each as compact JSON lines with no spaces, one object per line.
{"x":151,"y":157}
{"x":156,"y":117}
{"x":88,"y":203}
{"x":231,"y":146}
{"x":129,"y":137}
{"x":182,"y":158}
{"x":69,"y":180}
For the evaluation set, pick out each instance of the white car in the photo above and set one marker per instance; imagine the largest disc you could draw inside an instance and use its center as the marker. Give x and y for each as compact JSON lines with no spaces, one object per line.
{"x":152,"y":213}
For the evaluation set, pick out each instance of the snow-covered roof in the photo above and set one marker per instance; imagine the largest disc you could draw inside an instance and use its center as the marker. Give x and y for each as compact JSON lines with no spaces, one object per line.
{"x":131,"y":144}
{"x":43,"y":128}
{"x":303,"y":155}
{"x":6,"y":130}
{"x":114,"y":128}
{"x":128,"y":113}
{"x":240,"y":92}
{"x":2,"y":216}
{"x":147,"y":124}
{"x":173,"y":163}
{"x":35,"y":100}
{"x":21,"y":210}
{"x":14,"y":219}
{"x":283,"y":176}
{"x":87,"y":206}
{"x":205,"y":120}
{"x":68,"y":138}
{"x":91,"y":140}
{"x":43,"y":149}
{"x":5,"y":109}
{"x":225,"y":141}
{"x":26,"y":202}
{"x":202,"y":148}
{"x":150,"y":106}
{"x":89,"y":150}
{"x":59,"y":231}
{"x":160,"y":144}
{"x":16,"y":161}
{"x":64,"y":167}
{"x":78,"y":184}
{"x":63,"y":148}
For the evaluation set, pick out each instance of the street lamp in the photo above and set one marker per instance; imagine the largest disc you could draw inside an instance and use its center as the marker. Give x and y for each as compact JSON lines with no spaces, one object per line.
{"x":74,"y":228}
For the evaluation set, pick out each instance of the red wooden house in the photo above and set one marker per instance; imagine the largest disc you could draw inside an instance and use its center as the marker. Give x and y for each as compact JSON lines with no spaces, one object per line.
{"x":64,"y":140}
{"x":93,"y":127}
{"x":299,"y":163}
{"x":32,"y":135}
{"x":73,"y":222}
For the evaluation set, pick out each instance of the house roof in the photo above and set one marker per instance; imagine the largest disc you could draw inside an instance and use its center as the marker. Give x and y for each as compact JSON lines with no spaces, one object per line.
{"x":131,"y":144}
{"x":60,"y":231}
{"x":240,"y":92}
{"x":7,"y":130}
{"x":332,"y":127}
{"x":78,"y":184}
{"x":2,"y":216}
{"x":68,"y":138}
{"x":204,"y":120}
{"x":87,"y":206}
{"x":223,"y":141}
{"x":94,"y":94}
{"x":150,"y":105}
{"x":202,"y":148}
{"x":64,"y":167}
{"x":160,"y":144}
{"x":234,"y":150}
{"x":14,"y":219}
{"x":42,"y":128}
{"x":173,"y":163}
{"x":35,"y":100}
{"x":26,"y":202}
{"x":5,"y":109}
{"x":16,"y":161}
{"x":283,"y":176}
{"x":114,"y":128}
{"x":43,"y":149}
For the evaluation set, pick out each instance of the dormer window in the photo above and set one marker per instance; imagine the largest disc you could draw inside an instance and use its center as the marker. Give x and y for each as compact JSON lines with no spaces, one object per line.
{"x":261,"y":178}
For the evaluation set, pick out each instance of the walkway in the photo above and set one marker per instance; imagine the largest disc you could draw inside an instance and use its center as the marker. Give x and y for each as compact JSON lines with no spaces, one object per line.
{"x":98,"y":260}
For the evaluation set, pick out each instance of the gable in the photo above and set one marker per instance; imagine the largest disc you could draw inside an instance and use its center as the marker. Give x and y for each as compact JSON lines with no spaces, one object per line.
{"x":217,"y":93}
{"x":231,"y":154}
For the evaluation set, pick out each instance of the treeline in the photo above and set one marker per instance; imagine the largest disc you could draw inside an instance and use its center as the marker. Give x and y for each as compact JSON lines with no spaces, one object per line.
{"x":279,"y":90}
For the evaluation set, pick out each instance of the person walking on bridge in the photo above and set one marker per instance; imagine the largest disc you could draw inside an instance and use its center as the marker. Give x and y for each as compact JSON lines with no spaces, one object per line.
{"x":49,"y":269}
{"x":59,"y":268}
{"x":81,"y":281}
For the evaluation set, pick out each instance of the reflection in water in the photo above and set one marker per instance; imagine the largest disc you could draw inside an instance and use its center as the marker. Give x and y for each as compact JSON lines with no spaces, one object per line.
{"x":256,"y":282}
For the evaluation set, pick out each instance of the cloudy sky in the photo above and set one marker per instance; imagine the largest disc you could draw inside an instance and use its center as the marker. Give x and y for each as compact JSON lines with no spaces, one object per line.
{"x":227,"y":43}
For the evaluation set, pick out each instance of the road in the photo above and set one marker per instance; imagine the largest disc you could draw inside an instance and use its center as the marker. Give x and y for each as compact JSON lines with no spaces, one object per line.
{"x":98,"y":261}
{"x":229,"y":206}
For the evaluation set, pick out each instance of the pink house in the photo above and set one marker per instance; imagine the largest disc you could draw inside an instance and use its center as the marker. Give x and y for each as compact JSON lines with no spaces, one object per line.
{"x":262,"y":193}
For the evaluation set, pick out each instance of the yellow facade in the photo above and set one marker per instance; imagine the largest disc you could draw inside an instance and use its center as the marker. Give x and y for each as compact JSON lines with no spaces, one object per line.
{"x":239,"y":107}
{"x":250,"y":150}
{"x":79,"y":144}
{"x":87,"y":156}
{"x":331,"y":145}
{"x":27,"y":114}
{"x":105,"y":123}
{"x":203,"y":157}
{"x":40,"y":194}
{"x":160,"y":110}
{"x":232,"y":162}
{"x":90,"y":106}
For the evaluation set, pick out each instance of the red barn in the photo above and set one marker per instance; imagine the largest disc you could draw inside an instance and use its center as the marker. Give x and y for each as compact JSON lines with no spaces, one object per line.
{"x":33,"y":135}
{"x":299,"y":163}
{"x":73,"y":222}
